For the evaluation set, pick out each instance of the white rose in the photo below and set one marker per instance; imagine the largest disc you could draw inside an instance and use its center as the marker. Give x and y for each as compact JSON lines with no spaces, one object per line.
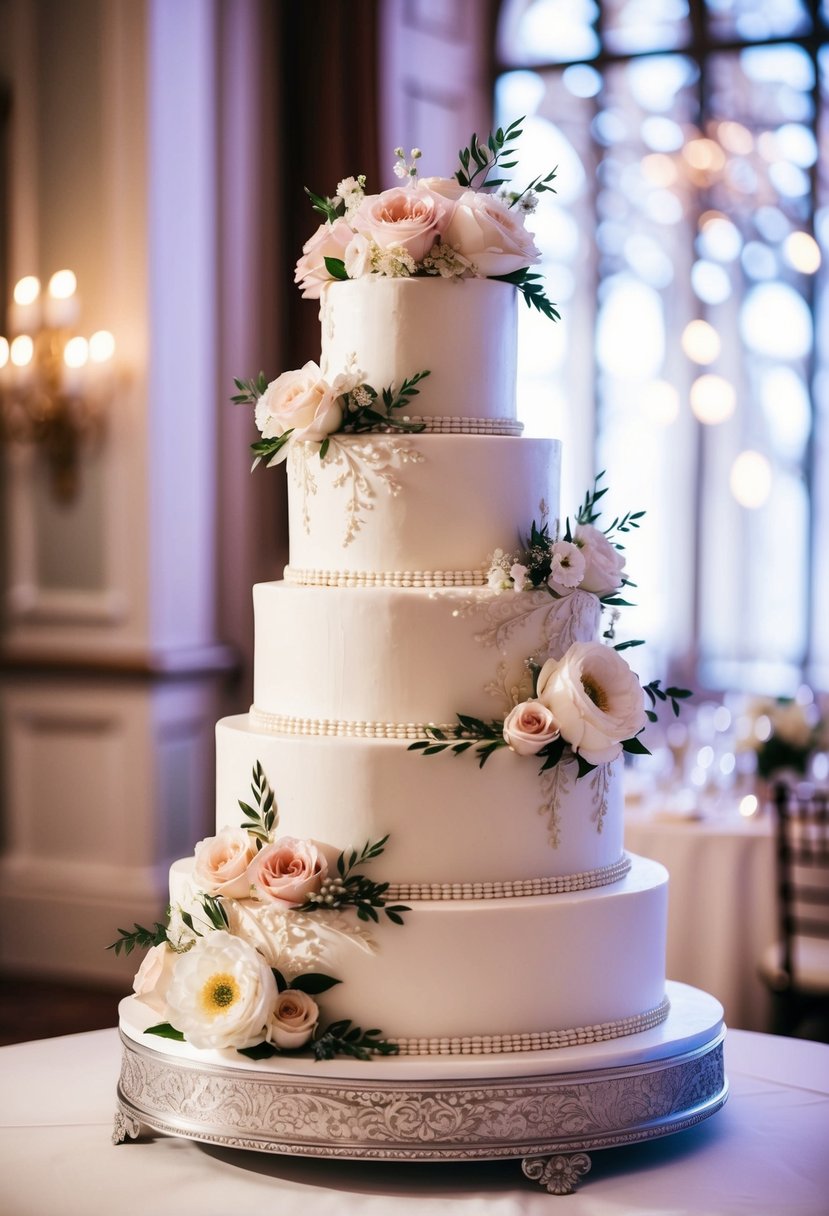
{"x":604,"y":564}
{"x":358,"y":256}
{"x":294,"y":1019}
{"x":446,"y":187}
{"x":490,"y":235}
{"x":528,"y":727}
{"x":329,"y":241}
{"x":595,"y":698}
{"x":412,"y":219}
{"x":153,"y":977}
{"x":222,"y":993}
{"x":288,"y":871}
{"x":221,"y":863}
{"x":299,"y":401}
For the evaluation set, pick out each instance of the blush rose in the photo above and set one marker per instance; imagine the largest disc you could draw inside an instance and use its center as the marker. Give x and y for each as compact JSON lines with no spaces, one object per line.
{"x":595,"y":698}
{"x":221,"y":863}
{"x":410,"y":218}
{"x":329,"y":241}
{"x":153,"y":977}
{"x":603,"y":564}
{"x":300,"y":401}
{"x":530,"y":726}
{"x":493,"y":237}
{"x":286,"y":872}
{"x":294,"y":1019}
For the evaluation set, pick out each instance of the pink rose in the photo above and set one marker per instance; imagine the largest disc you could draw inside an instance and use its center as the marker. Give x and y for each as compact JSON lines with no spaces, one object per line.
{"x":286,"y":872}
{"x":528,"y":727}
{"x":294,"y":1019}
{"x":491,"y":235}
{"x":412,"y":217}
{"x":222,"y":861}
{"x":302,"y":402}
{"x":153,"y":977}
{"x":329,"y":241}
{"x":604,"y":564}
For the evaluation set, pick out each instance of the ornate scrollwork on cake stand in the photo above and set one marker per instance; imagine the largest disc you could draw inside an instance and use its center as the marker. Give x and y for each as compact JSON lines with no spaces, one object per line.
{"x":441,"y":1110}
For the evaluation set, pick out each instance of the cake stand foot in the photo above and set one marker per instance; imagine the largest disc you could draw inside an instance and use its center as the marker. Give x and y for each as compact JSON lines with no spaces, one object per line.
{"x":559,"y":1173}
{"x":125,"y":1127}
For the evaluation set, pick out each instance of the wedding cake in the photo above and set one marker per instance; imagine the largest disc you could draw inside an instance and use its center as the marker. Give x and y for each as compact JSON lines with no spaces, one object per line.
{"x":418,"y":845}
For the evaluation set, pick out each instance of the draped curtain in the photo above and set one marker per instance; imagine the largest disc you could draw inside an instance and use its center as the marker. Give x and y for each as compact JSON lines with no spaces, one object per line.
{"x":328,"y":98}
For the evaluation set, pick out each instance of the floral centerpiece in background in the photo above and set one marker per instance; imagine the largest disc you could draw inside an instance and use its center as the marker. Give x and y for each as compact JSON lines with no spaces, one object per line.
{"x":785,"y":734}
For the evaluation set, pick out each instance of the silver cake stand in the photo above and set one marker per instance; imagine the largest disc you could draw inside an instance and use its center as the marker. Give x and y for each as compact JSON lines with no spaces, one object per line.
{"x":550,"y":1109}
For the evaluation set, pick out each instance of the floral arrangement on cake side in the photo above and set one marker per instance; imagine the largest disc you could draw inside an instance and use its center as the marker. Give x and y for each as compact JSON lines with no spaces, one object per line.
{"x":471,"y":225}
{"x":586,"y":706}
{"x":216,"y":981}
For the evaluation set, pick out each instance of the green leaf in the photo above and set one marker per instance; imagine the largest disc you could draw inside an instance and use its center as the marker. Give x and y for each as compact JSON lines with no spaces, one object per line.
{"x":281,"y":982}
{"x":165,"y":1031}
{"x":313,"y":983}
{"x":261,"y":1051}
{"x":336,"y":268}
{"x":636,"y":747}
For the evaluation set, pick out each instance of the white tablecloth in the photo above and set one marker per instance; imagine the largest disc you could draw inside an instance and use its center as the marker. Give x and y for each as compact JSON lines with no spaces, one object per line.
{"x":764,"y":1154}
{"x":721,"y":904}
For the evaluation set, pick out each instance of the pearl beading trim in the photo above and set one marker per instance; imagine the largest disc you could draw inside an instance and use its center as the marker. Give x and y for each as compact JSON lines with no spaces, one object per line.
{"x":448,"y":425}
{"x":295,"y":576}
{"x":283,"y":724}
{"x":496,"y":1044}
{"x":515,"y":889}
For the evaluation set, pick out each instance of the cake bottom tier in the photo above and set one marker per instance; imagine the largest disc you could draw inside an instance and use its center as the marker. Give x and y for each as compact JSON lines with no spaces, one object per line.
{"x":468,"y":976}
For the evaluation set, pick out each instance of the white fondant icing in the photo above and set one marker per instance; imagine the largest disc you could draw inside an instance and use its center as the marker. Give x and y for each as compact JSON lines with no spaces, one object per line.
{"x":508,"y":967}
{"x":415,"y":502}
{"x":399,"y":654}
{"x":449,"y":821}
{"x":462,"y":332}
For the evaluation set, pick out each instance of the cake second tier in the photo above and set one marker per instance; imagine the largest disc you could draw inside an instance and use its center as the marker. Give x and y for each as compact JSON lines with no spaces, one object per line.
{"x":414,"y":509}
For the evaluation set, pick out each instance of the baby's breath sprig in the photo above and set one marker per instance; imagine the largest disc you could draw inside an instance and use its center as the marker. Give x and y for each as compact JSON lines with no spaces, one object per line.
{"x":351,"y":889}
{"x":404,"y":167}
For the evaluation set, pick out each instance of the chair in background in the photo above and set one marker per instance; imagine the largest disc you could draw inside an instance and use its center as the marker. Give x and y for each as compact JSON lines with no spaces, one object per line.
{"x":796,"y":968}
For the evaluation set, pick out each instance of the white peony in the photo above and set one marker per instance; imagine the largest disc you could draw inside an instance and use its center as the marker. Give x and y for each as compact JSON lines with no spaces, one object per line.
{"x":604,"y":564}
{"x":595,"y":698}
{"x":222,"y":993}
{"x":294,"y":1019}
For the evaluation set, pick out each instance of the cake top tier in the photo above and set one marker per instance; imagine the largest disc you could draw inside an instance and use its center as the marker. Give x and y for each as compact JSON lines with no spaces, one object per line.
{"x":462,"y":332}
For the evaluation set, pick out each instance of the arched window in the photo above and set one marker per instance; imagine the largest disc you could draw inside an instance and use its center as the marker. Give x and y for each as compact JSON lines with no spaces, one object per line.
{"x":686,"y":247}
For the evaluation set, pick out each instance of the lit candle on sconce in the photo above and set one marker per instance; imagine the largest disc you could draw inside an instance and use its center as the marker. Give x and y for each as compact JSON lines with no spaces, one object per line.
{"x":24,"y":310}
{"x":62,"y":306}
{"x":21,"y":353}
{"x":75,"y":358}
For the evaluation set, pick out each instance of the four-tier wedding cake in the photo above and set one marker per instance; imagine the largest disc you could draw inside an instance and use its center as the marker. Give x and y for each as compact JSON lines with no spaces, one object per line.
{"x":418,"y":844}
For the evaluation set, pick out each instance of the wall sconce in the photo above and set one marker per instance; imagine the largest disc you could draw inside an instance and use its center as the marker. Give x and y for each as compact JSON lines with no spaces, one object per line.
{"x":54,"y":384}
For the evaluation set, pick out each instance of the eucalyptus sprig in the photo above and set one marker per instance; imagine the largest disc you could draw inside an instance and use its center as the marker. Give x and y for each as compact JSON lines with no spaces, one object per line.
{"x":485,"y":737}
{"x":361,"y":414}
{"x":352,"y":889}
{"x":654,"y":692}
{"x":261,"y":821}
{"x":139,"y":936}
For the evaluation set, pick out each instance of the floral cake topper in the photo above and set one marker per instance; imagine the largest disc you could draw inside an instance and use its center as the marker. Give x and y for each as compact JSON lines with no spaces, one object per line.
{"x":471,"y":225}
